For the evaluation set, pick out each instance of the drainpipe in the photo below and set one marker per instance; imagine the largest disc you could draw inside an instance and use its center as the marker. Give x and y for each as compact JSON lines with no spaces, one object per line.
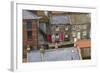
{"x":79,"y":51}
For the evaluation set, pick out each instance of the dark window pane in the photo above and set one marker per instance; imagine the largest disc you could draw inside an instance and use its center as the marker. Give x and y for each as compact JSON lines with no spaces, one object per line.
{"x":29,"y":35}
{"x":29,"y":25}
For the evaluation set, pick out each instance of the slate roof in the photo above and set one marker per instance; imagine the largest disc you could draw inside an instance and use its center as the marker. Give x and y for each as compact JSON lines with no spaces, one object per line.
{"x":29,"y":15}
{"x":60,"y":19}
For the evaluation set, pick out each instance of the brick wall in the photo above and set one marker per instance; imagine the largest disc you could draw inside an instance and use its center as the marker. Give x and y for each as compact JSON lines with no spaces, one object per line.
{"x":34,"y":34}
{"x":33,"y":41}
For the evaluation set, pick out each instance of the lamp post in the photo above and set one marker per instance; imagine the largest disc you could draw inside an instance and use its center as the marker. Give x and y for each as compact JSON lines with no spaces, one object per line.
{"x":28,"y":49}
{"x":42,"y":51}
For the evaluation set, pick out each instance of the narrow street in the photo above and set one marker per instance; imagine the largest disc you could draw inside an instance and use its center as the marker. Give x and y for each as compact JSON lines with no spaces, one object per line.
{"x":61,"y":54}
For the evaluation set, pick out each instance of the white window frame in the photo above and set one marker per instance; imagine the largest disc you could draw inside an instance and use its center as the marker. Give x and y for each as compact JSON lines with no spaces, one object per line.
{"x":16,"y":59}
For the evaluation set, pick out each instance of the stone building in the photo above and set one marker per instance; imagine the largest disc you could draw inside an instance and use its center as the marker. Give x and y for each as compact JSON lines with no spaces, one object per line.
{"x":30,"y":23}
{"x":37,"y":25}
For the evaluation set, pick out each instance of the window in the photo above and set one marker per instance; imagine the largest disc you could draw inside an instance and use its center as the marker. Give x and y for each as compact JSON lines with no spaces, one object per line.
{"x":84,"y":27}
{"x":29,"y":25}
{"x":29,"y":35}
{"x":73,"y":34}
{"x":66,"y":37}
{"x":84,"y":35}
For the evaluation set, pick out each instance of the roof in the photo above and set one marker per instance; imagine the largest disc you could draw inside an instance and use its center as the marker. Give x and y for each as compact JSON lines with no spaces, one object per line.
{"x":29,"y":15}
{"x":85,"y":43}
{"x":59,"y":19}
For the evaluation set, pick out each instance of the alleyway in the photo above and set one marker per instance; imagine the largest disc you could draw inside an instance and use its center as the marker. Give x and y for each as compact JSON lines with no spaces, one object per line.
{"x":60,"y":54}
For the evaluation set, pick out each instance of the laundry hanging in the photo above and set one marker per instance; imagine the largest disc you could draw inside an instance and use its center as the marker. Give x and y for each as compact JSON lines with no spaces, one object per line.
{"x":61,"y":35}
{"x":49,"y":38}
